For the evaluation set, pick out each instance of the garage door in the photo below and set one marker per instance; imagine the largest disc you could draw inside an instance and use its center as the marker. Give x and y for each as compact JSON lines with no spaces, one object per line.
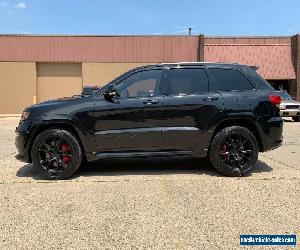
{"x":56,"y":80}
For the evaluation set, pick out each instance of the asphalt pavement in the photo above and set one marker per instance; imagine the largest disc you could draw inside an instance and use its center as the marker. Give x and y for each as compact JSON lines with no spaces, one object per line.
{"x":148,"y":204}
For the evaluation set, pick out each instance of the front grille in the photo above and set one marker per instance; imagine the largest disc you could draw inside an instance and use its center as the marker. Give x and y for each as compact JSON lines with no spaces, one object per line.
{"x":292,"y":106}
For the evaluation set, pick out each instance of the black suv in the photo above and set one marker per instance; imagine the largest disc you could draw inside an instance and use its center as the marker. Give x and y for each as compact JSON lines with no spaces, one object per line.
{"x":225,"y":112}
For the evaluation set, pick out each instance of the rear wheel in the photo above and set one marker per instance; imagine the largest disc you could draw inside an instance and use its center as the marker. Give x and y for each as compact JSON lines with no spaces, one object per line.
{"x":56,"y":153}
{"x":296,"y":118}
{"x":234,"y":151}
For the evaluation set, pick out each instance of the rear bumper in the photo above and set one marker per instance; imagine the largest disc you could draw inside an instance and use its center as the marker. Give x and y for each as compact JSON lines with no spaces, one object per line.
{"x":270,"y":129}
{"x":290,"y":112}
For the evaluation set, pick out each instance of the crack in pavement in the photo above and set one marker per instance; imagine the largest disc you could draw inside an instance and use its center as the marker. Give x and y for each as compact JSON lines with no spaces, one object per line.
{"x":283,"y":163}
{"x":1,"y":158}
{"x":147,"y":180}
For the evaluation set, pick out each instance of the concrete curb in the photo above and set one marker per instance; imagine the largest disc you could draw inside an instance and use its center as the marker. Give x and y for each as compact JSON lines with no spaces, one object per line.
{"x":10,"y":116}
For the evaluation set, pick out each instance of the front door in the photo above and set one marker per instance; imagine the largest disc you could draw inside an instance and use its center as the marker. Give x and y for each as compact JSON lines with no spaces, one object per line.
{"x":133,"y":122}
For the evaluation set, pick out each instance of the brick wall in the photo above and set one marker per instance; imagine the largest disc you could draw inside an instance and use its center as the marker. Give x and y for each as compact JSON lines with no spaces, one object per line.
{"x":295,"y":84}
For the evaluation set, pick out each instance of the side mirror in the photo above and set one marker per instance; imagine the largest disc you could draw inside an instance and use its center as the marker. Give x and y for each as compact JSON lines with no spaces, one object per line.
{"x":110,"y":93}
{"x":87,"y":91}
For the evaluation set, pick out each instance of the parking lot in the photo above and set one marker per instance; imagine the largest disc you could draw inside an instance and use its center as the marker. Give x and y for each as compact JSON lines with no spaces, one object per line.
{"x":158,"y":203}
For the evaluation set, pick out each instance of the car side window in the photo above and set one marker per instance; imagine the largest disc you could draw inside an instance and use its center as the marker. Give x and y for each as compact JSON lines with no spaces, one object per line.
{"x":230,"y":79}
{"x":141,"y":84}
{"x":187,"y":81}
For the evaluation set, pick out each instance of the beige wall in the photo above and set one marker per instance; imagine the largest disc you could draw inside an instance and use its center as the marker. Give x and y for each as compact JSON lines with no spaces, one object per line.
{"x":17,"y":86}
{"x":18,"y":81}
{"x":101,"y":73}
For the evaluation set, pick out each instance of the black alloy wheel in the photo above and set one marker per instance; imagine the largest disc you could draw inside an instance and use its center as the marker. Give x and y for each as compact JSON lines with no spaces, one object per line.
{"x":234,"y":151}
{"x":57,"y":153}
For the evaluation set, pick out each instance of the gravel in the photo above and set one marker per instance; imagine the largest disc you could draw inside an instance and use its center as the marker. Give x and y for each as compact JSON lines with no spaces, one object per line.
{"x":153,"y":204}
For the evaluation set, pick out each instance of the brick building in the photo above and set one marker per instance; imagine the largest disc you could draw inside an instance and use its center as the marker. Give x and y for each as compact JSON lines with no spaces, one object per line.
{"x":38,"y":68}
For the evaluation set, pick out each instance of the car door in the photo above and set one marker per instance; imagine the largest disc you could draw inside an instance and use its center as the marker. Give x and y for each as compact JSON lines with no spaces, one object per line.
{"x":133,"y":121}
{"x":190,"y":109}
{"x":236,"y":90}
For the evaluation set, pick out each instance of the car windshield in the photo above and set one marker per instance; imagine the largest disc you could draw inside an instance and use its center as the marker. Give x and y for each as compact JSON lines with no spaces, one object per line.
{"x":285,"y":96}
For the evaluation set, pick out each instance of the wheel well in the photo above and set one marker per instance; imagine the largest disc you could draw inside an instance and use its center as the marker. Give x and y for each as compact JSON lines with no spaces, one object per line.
{"x":247,"y":123}
{"x":66,"y":127}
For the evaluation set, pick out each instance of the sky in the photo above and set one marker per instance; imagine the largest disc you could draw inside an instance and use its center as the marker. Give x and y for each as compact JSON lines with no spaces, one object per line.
{"x":150,"y":17}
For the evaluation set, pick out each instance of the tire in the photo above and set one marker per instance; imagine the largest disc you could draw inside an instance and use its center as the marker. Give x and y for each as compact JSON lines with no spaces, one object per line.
{"x":228,"y":156}
{"x":296,"y":118}
{"x":56,"y":153}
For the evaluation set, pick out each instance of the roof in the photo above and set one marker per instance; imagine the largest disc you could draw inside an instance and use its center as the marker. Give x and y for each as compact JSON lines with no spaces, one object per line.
{"x":89,"y":35}
{"x":139,"y":49}
{"x":272,"y":55}
{"x":202,"y":63}
{"x":195,"y":64}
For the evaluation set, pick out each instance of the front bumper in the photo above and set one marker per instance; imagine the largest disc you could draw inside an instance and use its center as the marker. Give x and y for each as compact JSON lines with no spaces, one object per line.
{"x":22,"y":143}
{"x":289,"y":112}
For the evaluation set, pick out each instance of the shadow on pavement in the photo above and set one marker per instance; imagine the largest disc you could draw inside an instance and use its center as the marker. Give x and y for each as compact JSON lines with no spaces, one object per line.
{"x":142,"y":167}
{"x":148,"y":167}
{"x":261,"y":167}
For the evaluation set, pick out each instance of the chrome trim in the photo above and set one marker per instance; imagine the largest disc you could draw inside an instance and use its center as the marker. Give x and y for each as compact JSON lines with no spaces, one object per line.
{"x":179,"y":128}
{"x":143,"y":130}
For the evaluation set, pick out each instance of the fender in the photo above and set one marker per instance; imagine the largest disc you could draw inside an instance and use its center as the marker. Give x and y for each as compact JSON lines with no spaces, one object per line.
{"x":246,"y":119}
{"x":71,"y":123}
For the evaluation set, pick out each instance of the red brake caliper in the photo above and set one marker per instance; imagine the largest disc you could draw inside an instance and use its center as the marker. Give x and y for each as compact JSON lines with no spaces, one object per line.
{"x":223,"y":150}
{"x":65,"y":148}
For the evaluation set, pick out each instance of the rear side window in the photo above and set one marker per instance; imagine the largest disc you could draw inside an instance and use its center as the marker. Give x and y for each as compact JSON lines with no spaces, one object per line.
{"x":187,"y":81}
{"x":256,"y":78}
{"x":229,"y":79}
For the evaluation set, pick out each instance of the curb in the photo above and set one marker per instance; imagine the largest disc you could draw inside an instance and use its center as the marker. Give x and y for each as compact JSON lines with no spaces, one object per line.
{"x":10,"y":116}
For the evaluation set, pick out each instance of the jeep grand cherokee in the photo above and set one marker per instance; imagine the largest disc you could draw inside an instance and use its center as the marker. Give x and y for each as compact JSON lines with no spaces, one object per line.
{"x":225,"y":112}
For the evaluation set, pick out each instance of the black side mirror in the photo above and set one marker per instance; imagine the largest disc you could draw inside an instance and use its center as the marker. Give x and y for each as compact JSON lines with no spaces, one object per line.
{"x":111,"y":93}
{"x":87,"y":91}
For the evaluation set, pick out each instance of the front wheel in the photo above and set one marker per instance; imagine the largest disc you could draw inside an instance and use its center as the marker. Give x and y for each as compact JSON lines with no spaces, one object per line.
{"x":296,"y":118}
{"x":56,"y":153}
{"x":234,"y":151}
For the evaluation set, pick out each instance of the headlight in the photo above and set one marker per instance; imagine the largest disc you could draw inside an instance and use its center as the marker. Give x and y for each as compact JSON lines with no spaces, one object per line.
{"x":282,"y":107}
{"x":24,"y":116}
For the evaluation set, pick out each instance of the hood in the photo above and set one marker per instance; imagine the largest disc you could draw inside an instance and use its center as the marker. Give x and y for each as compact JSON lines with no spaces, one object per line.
{"x":59,"y":101}
{"x":62,"y":106}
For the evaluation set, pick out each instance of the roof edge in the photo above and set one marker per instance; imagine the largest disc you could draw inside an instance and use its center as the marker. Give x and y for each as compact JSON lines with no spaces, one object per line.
{"x":91,"y":35}
{"x":247,"y":37}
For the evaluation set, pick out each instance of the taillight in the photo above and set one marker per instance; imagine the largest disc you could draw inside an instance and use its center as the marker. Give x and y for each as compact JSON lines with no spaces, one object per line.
{"x":274,"y":99}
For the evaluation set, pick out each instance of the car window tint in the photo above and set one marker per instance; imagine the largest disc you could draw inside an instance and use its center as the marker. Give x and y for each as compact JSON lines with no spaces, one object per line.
{"x":187,"y":81}
{"x":140,"y":84}
{"x":229,"y":79}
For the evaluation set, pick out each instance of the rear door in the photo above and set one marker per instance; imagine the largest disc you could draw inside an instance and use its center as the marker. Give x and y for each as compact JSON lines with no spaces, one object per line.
{"x":236,"y":90}
{"x":190,"y":108}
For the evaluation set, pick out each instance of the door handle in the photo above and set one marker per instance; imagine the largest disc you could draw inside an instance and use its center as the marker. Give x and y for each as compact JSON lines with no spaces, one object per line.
{"x":210,"y":98}
{"x":150,"y":102}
